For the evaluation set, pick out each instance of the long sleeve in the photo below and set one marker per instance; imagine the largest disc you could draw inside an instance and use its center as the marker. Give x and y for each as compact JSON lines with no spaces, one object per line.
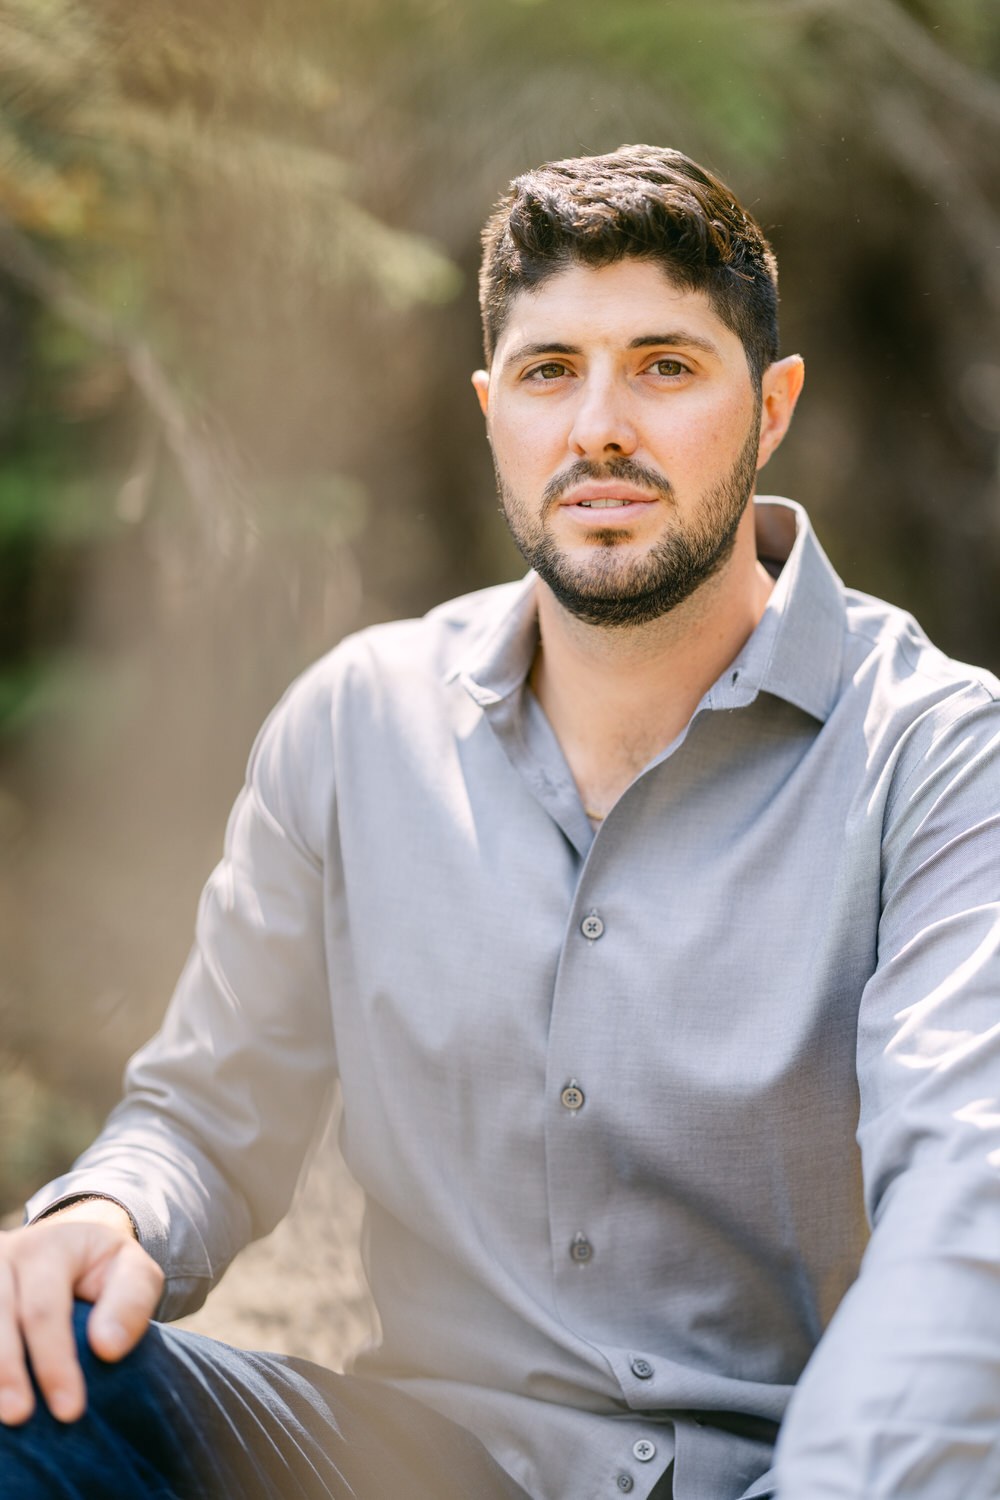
{"x":902,"y":1396}
{"x":220,"y":1107}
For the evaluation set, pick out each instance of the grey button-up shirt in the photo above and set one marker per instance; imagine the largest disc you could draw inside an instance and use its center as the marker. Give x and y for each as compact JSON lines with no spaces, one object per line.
{"x":623,"y":1105}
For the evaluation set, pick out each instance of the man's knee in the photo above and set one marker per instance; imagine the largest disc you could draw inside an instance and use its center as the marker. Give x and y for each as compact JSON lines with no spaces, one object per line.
{"x":121,"y":1446}
{"x":126,"y":1380}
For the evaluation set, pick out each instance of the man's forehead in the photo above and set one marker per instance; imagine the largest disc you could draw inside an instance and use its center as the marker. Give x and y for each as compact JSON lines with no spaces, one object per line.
{"x":626,"y":303}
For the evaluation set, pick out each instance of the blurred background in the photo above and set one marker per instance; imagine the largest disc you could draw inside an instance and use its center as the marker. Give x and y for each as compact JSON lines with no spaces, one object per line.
{"x":238,"y":245}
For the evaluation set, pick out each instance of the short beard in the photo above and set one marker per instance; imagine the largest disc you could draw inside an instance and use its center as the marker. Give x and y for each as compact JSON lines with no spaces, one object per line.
{"x":604,"y":591}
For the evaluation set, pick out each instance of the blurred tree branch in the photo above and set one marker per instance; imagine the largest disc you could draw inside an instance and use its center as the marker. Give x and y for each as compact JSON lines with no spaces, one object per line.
{"x":209,"y":473}
{"x":129,"y":140}
{"x":968,"y":89}
{"x":923,"y":155}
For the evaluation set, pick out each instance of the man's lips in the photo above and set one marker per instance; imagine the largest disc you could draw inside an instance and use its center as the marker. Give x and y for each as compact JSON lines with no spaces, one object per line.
{"x":599,"y":492}
{"x":607,"y":502}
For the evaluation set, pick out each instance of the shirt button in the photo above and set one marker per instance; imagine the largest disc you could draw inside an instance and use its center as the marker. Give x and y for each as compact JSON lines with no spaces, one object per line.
{"x":644,"y":1450}
{"x":625,"y":1483}
{"x":642,"y":1369}
{"x":592,"y":926}
{"x":572,"y":1097}
{"x":581,"y":1249}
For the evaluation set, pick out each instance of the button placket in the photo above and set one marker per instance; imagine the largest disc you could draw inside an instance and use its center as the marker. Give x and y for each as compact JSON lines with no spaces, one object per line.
{"x":579,"y":1263}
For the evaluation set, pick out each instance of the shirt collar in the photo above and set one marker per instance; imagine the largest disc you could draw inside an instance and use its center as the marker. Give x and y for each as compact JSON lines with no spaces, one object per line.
{"x":795,"y":653}
{"x":806,"y":614}
{"x":501,"y":656}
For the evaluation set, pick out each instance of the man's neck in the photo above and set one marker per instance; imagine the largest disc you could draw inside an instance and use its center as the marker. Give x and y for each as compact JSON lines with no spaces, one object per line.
{"x":616,"y":697}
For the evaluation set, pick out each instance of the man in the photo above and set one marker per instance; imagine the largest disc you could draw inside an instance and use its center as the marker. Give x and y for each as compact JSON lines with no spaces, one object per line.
{"x":617,"y":898}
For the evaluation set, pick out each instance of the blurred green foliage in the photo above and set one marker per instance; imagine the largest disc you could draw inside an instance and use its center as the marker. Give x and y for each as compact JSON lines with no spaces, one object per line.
{"x":41,"y":1131}
{"x":128,"y":136}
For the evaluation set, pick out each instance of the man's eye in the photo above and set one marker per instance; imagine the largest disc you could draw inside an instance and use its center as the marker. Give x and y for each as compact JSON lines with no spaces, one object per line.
{"x":670,"y":367}
{"x":551,"y":371}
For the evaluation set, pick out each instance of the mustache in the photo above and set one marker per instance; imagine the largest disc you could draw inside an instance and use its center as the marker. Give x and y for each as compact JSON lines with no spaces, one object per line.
{"x":624,"y":469}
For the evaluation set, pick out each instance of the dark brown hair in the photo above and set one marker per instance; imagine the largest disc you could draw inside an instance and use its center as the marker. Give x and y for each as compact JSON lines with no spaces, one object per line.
{"x":645,"y":202}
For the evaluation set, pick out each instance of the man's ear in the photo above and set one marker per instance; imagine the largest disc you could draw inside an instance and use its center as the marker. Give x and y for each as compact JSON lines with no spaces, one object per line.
{"x":481,"y":381}
{"x":780,"y":389}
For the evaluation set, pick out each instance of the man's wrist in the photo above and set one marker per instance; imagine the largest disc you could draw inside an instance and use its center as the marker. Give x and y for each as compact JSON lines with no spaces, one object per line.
{"x":91,"y":1208}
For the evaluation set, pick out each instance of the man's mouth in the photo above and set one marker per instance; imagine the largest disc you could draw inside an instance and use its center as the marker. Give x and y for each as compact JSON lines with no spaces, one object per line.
{"x":593,"y":508}
{"x":607,"y":494}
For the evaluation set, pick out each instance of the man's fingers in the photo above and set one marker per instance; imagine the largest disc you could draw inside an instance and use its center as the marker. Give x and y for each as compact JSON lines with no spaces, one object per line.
{"x":17,"y":1400}
{"x":44,"y":1292}
{"x":124,"y":1303}
{"x":42,"y":1268}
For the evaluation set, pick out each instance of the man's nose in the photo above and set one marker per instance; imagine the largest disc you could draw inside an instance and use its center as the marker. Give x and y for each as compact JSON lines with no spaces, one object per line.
{"x":603,"y":423}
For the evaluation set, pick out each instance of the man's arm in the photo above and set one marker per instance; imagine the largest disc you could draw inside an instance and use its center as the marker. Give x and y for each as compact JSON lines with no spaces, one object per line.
{"x":86,"y":1250}
{"x":221,"y":1106}
{"x":901,"y":1395}
{"x":205,"y":1150}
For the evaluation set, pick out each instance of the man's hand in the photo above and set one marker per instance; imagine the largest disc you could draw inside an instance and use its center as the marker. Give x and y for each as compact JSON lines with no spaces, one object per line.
{"x":86,"y":1250}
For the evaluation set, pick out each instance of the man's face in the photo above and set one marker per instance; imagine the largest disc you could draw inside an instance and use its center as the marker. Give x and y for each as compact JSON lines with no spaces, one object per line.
{"x":625,"y":431}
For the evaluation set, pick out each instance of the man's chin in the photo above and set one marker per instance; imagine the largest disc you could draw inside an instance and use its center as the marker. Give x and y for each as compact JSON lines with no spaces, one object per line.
{"x":608,"y":564}
{"x":617,"y":590}
{"x":615,"y":571}
{"x":607,"y":601}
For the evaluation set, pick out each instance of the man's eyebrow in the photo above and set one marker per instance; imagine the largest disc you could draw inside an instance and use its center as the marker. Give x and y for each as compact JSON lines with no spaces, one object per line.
{"x":675,"y":337}
{"x":531,"y":351}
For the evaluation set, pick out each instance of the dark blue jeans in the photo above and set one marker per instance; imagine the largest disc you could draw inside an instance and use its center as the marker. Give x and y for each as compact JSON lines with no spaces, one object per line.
{"x":186,"y":1418}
